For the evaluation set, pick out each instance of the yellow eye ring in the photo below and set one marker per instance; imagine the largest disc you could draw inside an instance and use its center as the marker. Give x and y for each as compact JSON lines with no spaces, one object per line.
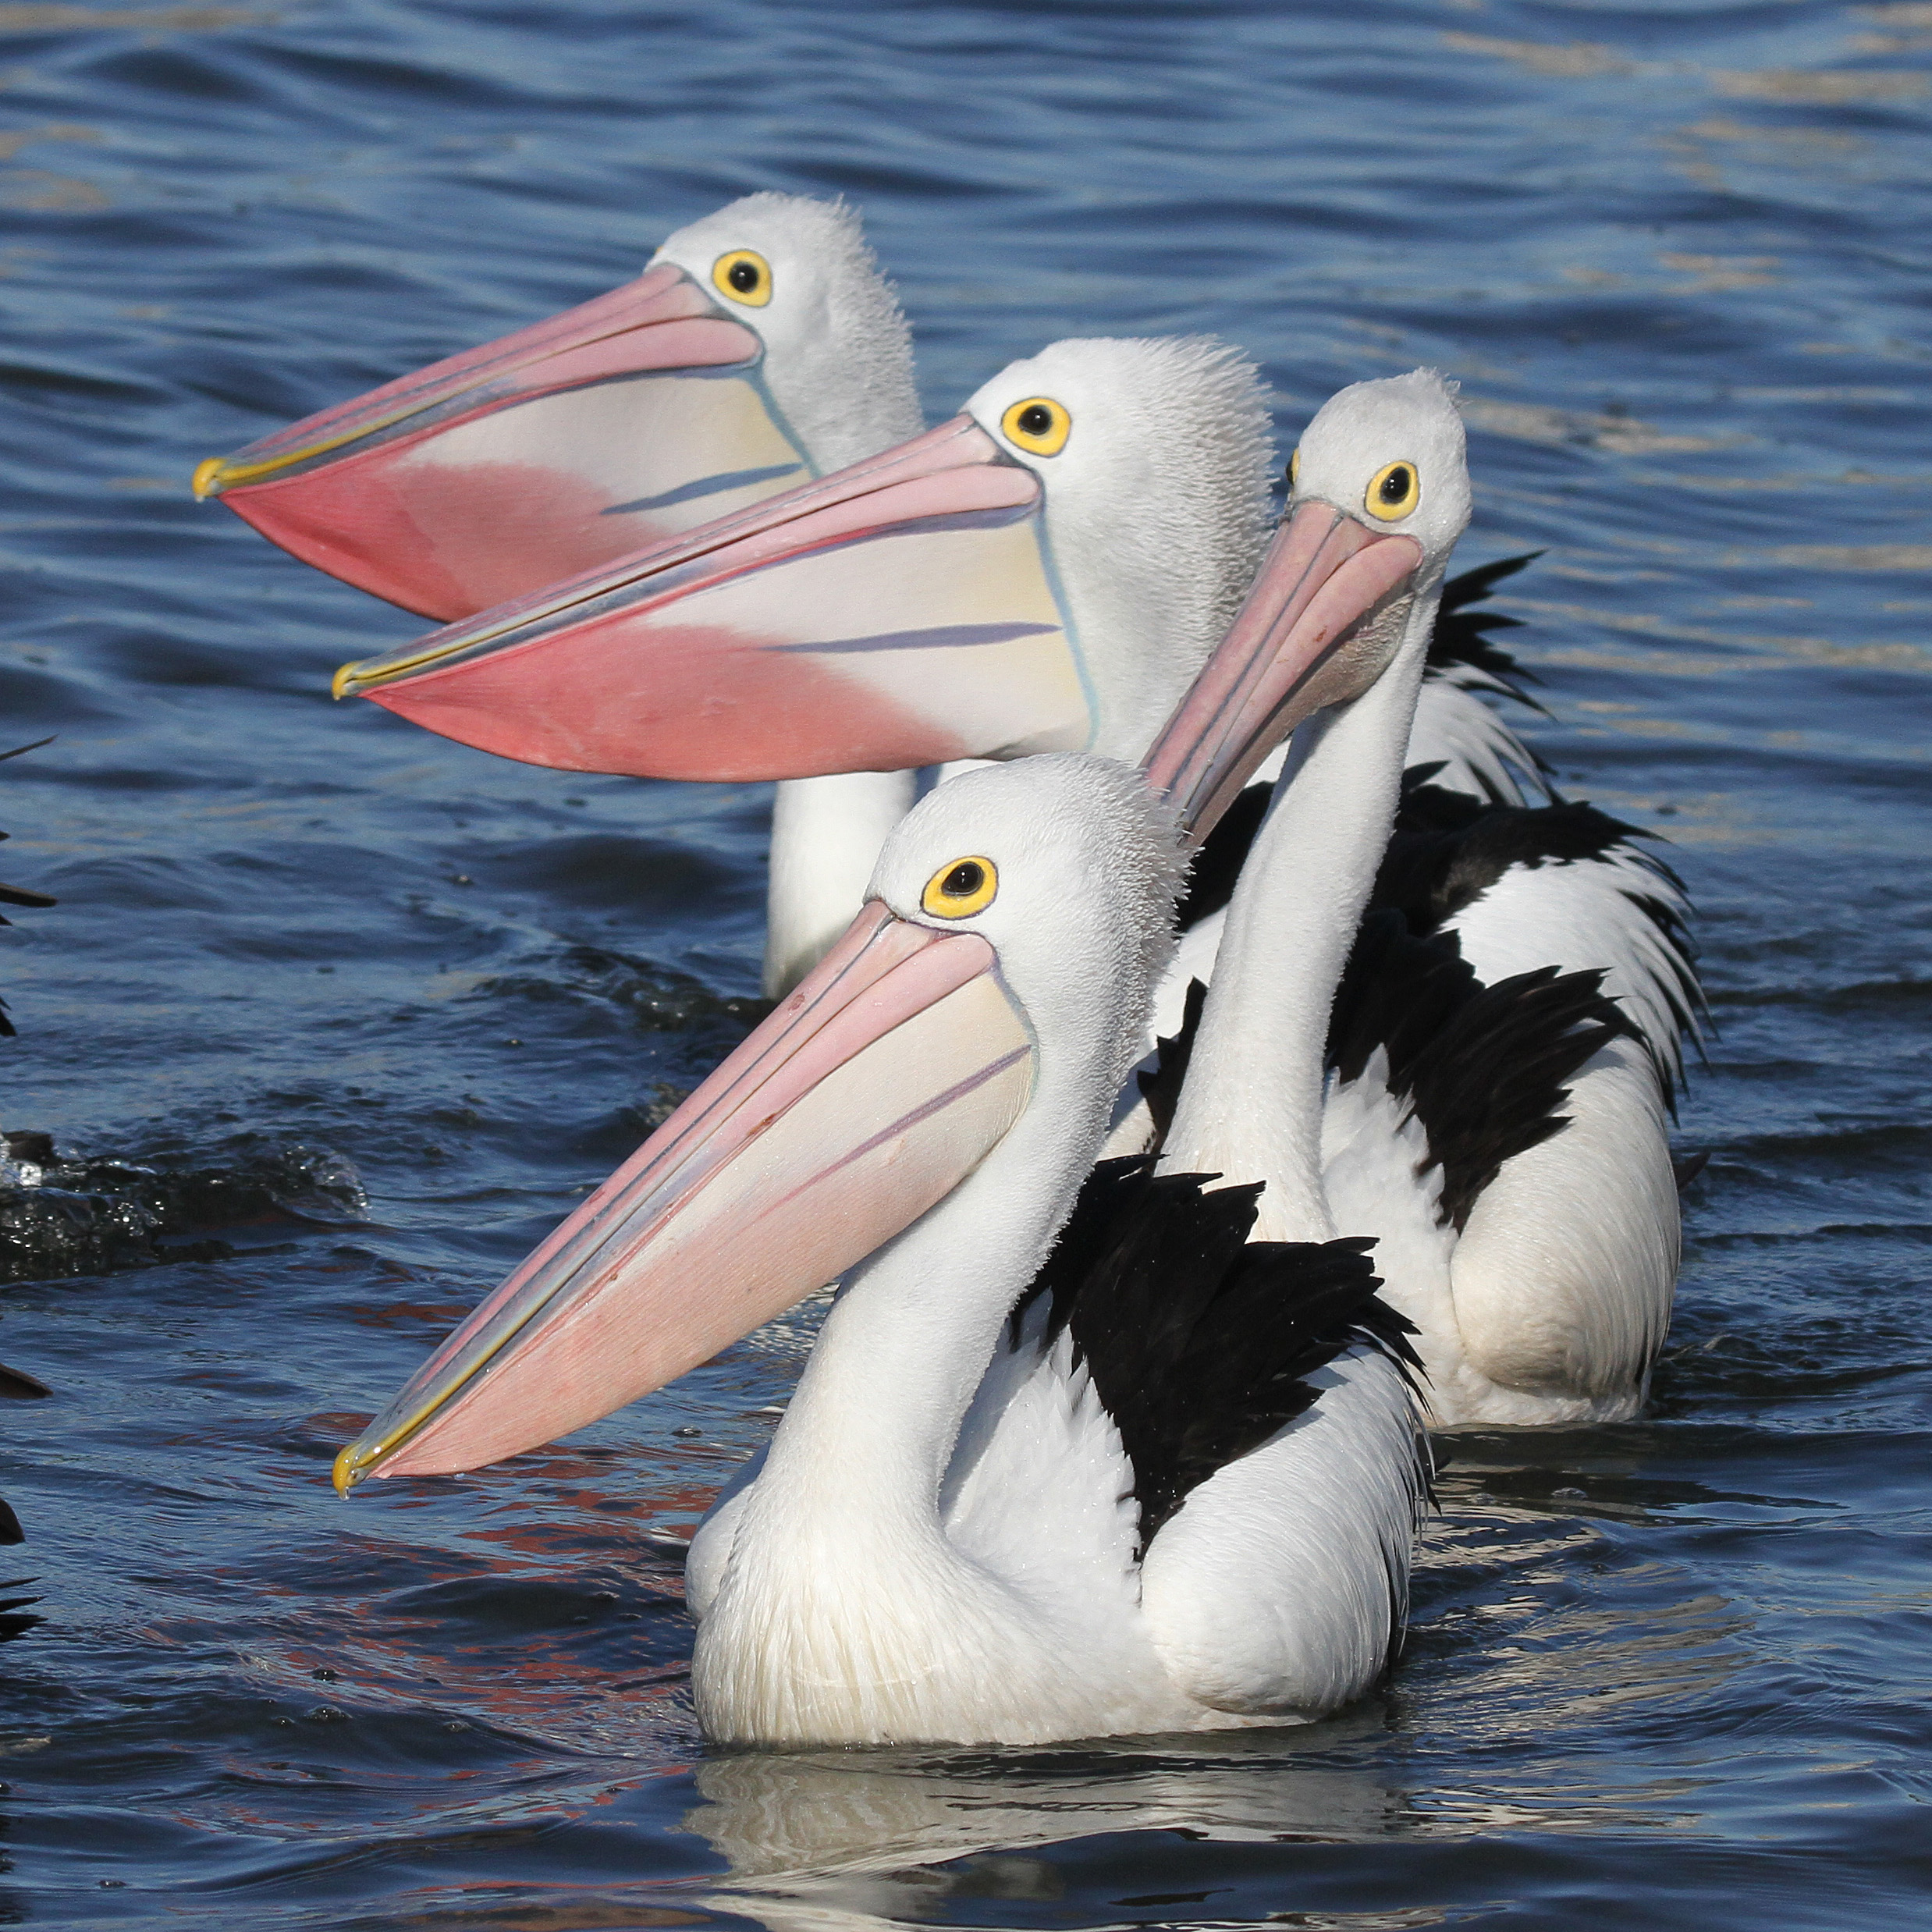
{"x":1038,"y":425}
{"x":1393,"y":492}
{"x":1295,"y":467}
{"x":744,"y":275}
{"x":958,"y":890}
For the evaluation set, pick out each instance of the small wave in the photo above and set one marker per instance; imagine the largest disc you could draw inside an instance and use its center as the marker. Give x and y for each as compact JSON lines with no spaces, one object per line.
{"x":1879,"y":996}
{"x":73,"y":1215}
{"x":658,"y":999}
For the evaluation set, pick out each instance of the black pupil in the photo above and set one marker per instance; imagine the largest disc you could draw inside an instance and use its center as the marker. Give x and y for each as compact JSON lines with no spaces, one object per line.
{"x":742,"y":276}
{"x":1395,"y":485}
{"x":963,"y":880}
{"x":1037,"y":420}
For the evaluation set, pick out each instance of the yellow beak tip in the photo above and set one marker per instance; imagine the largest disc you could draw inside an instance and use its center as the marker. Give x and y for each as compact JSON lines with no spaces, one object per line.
{"x":344,"y":679}
{"x":348,"y":1470}
{"x":206,"y":477}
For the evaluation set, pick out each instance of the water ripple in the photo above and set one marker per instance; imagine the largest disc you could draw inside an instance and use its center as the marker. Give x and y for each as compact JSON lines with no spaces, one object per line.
{"x":333,"y":1020}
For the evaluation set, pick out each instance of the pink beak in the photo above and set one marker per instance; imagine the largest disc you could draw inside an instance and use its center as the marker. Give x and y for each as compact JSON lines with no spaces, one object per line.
{"x":899,"y":613}
{"x":1287,"y":654}
{"x":868,"y":1095}
{"x":545,"y":452}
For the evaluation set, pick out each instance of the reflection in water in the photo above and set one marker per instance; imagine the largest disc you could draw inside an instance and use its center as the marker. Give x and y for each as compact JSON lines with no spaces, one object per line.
{"x":855,"y":1837}
{"x":1510,"y":1644}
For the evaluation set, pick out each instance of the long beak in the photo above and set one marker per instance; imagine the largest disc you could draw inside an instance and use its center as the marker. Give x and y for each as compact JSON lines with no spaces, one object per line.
{"x":876,"y":1087}
{"x":753,"y":649}
{"x":1296,"y":644}
{"x":544,"y":453}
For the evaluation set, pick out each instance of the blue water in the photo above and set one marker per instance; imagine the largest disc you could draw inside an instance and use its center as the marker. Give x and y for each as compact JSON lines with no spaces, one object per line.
{"x":334,"y":1019}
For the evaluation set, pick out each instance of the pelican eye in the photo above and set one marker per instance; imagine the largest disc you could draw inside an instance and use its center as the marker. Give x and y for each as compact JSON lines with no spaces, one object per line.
{"x":1038,"y":425}
{"x":959,"y":891}
{"x":1394,"y":492}
{"x":743,"y":275}
{"x":1294,"y":468}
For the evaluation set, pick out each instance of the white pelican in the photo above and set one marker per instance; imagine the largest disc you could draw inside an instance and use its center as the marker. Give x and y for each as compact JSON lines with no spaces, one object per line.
{"x":1160,"y":1472}
{"x":1497,"y":1064}
{"x":1504,"y":1145}
{"x":1057,"y":561}
{"x":1174,"y":1498}
{"x":760,"y":347}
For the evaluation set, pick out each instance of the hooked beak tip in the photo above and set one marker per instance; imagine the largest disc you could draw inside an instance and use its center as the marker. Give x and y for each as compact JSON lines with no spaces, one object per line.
{"x":208,"y":477}
{"x":344,"y":681}
{"x":350,"y":1467}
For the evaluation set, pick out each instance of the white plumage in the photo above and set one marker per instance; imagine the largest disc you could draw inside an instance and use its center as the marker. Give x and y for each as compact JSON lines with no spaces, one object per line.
{"x":1549,"y":1301}
{"x":942,"y":1539}
{"x":1086,"y":1452}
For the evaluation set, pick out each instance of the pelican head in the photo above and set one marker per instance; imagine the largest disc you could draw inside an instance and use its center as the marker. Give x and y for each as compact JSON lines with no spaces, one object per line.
{"x":1379,"y":492}
{"x":1153,"y":476}
{"x":836,"y":355}
{"x":1000,"y":972}
{"x":1043,"y":573}
{"x":760,"y":347}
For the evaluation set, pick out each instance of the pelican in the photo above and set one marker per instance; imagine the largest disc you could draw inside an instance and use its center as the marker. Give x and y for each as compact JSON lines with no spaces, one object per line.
{"x":760,"y":346}
{"x":1494,"y":1050}
{"x":999,"y":1507}
{"x":1058,"y":560}
{"x":1077,"y":1451}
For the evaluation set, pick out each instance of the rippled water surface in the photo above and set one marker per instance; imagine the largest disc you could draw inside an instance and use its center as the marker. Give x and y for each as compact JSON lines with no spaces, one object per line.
{"x":371,"y":1010}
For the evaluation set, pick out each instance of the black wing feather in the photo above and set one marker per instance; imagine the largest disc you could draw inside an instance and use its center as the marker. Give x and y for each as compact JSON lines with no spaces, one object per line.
{"x":1200,"y":1341}
{"x":1448,"y":848}
{"x":1160,"y":1086}
{"x":1461,"y":640}
{"x":1484,"y":1068}
{"x":1216,"y":868}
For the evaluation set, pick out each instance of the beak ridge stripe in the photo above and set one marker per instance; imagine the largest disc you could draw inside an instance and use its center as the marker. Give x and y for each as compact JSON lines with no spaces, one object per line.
{"x":655,"y":297}
{"x":703,"y":486}
{"x":940,"y":1102}
{"x":934,"y":638}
